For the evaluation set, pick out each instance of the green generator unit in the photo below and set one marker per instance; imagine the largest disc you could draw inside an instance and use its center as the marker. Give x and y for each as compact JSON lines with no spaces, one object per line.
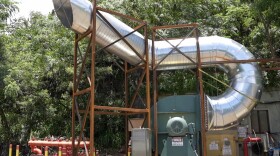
{"x":178,"y":122}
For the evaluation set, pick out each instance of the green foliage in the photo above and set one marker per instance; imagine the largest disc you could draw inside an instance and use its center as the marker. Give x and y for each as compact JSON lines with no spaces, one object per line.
{"x":37,"y":99}
{"x":12,"y":89}
{"x":7,"y":8}
{"x":237,"y":23}
{"x":268,"y":10}
{"x":177,"y":82}
{"x":109,"y":130}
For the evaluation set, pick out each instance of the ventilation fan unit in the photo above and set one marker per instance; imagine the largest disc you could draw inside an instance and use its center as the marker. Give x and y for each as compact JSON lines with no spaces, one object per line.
{"x":177,"y":126}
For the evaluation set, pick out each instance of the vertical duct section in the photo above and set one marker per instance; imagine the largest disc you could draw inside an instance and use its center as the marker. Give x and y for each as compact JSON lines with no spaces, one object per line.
{"x":224,"y":110}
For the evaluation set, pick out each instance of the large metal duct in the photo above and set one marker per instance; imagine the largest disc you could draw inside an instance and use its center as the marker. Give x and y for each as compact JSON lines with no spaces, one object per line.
{"x":224,"y":110}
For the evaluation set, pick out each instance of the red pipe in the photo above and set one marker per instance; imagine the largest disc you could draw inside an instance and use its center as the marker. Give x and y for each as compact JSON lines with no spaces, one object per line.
{"x":66,"y":146}
{"x":55,"y":143}
{"x":246,"y":141}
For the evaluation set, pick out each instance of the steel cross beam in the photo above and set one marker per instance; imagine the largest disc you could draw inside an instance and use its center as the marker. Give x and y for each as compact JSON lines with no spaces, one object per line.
{"x":156,"y":65}
{"x":81,"y":93}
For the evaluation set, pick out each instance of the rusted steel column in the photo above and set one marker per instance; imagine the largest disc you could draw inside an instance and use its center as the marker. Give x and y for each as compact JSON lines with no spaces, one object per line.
{"x":74,"y":91}
{"x":154,"y":91}
{"x":92,"y":76}
{"x":148,"y":96}
{"x":201,"y":93}
{"x":126,"y":105}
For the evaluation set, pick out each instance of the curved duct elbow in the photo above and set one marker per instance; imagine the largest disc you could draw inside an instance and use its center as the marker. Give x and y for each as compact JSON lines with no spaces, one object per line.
{"x":245,"y":88}
{"x":224,"y":110}
{"x":237,"y":101}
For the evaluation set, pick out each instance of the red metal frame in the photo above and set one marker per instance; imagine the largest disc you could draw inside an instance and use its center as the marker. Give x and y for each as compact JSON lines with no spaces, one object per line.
{"x":249,"y":140}
{"x":66,"y":146}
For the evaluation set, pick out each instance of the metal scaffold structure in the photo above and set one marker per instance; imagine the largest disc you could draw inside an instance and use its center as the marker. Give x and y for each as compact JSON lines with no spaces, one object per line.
{"x":98,"y":26}
{"x":92,"y":108}
{"x":194,"y":32}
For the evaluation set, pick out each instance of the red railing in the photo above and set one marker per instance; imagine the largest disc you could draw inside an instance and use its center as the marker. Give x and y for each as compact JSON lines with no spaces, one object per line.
{"x":57,"y":147}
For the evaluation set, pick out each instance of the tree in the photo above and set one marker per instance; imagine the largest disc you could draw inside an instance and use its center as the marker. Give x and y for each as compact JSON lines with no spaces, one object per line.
{"x":267,"y":13}
{"x":37,"y":87}
{"x":36,"y":92}
{"x":7,"y":8}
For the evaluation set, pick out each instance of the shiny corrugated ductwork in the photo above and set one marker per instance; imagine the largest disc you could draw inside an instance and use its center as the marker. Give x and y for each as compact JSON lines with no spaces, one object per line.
{"x":224,"y":110}
{"x":236,"y":102}
{"x":76,"y":14}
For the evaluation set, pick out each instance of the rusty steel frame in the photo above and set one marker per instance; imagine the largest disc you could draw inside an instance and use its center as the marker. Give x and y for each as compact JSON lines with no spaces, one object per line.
{"x":128,"y":110}
{"x":201,"y":94}
{"x":91,"y":107}
{"x":155,"y":73}
{"x":199,"y":65}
